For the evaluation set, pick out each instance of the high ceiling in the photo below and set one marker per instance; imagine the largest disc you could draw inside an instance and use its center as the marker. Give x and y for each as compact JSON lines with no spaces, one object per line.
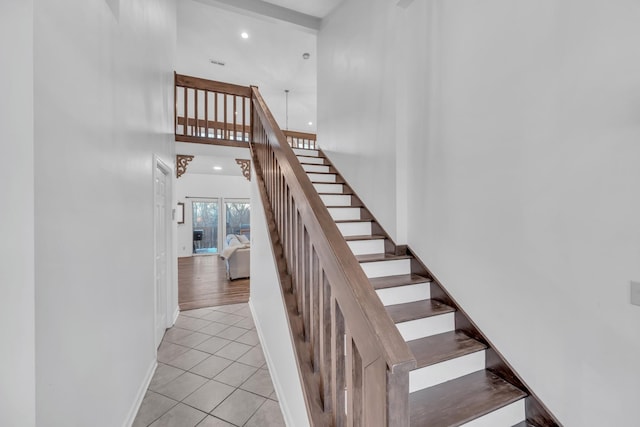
{"x":317,"y":8}
{"x":271,"y":58}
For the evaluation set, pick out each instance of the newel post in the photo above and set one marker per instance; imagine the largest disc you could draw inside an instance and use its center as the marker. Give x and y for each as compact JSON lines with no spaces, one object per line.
{"x":398,"y":398}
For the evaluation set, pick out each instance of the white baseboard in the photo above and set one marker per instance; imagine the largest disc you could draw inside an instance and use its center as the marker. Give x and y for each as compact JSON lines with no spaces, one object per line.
{"x":286,"y":413}
{"x":176,"y":313}
{"x":140,"y":395}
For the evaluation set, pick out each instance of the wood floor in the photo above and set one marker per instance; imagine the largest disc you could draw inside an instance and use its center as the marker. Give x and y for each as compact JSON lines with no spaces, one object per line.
{"x":202,"y":282}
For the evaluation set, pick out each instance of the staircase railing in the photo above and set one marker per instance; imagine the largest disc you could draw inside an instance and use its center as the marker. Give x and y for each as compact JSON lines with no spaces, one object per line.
{"x":301,"y":139}
{"x":354,"y":364}
{"x":212,"y":112}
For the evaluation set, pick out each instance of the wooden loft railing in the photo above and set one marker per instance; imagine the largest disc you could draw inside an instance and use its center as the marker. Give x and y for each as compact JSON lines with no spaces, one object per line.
{"x":301,"y":139}
{"x":352,"y":360}
{"x":207,"y":111}
{"x":212,"y":112}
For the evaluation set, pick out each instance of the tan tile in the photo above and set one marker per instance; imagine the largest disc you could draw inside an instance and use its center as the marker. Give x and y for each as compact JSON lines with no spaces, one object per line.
{"x":188,"y":359}
{"x":238,"y":407}
{"x":259,"y":383}
{"x":180,"y":415}
{"x":268,"y":415}
{"x":211,"y":366}
{"x":163,"y":375}
{"x":169,"y":351}
{"x":235,"y":374}
{"x":233,"y":350}
{"x":153,"y":406}
{"x":231,"y":333}
{"x":182,"y":386}
{"x":210,"y":395}
{"x":253,"y":357}
{"x":212,"y":345}
{"x":214,"y":422}
{"x":249,"y":338}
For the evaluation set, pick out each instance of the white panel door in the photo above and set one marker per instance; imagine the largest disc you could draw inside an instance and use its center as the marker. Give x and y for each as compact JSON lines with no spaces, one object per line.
{"x":160,"y":229}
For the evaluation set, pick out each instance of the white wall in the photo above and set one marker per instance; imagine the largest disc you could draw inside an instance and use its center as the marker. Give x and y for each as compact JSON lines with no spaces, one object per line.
{"x":203,"y":185}
{"x":103,"y":107}
{"x":17,"y":330}
{"x":356,"y":116}
{"x":269,"y":313}
{"x":522,"y":163}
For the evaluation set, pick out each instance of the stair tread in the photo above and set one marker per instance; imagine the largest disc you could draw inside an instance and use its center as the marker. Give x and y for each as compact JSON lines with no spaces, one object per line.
{"x":330,"y":183}
{"x":399,"y":280}
{"x":348,"y":193}
{"x":365,"y":237}
{"x":380,"y":257}
{"x":417,"y":310}
{"x":338,"y":206}
{"x":440,"y":347}
{"x":325,"y":173}
{"x":461,"y":400}
{"x":342,"y":221}
{"x":314,"y":164}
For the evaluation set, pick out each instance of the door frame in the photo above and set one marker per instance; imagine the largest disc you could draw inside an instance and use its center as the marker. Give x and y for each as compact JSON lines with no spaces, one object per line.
{"x":160,"y":166}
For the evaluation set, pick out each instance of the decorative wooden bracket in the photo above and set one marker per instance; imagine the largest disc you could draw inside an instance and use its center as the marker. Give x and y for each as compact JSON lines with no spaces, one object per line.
{"x":181,"y":164}
{"x":245,"y":165}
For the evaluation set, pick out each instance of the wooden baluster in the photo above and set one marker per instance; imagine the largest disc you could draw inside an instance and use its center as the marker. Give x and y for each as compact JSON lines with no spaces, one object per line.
{"x":316,"y":307}
{"x":196,"y":97}
{"x":235,"y":115}
{"x":338,"y":360}
{"x":244,"y":124}
{"x":185,"y":121}
{"x":206,"y":114}
{"x":355,"y":389}
{"x":326,"y":361}
{"x":224,"y":134}
{"x":215,"y":114}
{"x":305,"y":277}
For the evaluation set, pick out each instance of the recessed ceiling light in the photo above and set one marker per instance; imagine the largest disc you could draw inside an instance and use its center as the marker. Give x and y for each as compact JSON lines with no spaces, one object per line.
{"x":306,"y":55}
{"x":217,"y":168}
{"x":310,"y":123}
{"x":244,"y":35}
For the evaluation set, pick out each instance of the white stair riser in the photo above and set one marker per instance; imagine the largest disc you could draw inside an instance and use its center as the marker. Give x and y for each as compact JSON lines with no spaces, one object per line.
{"x":506,"y":416}
{"x":365,"y":247}
{"x":336,"y":199}
{"x":315,"y":160}
{"x":446,"y":371}
{"x":322,"y":177}
{"x":329,"y":188}
{"x":386,"y":268}
{"x":301,"y":152}
{"x":427,"y":326}
{"x":344,"y":214}
{"x":354,"y":228}
{"x":315,"y":168}
{"x":404,"y":294}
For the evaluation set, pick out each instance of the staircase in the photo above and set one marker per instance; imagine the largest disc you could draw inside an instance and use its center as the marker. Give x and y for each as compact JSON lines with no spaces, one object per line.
{"x":377,"y":339}
{"x":459,"y":378}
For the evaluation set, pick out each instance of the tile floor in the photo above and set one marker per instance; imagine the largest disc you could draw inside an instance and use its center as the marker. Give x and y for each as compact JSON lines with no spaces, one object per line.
{"x":211,"y":373}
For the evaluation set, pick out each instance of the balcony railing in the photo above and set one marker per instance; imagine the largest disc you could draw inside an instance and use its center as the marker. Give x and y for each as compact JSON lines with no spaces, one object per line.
{"x":212,"y":112}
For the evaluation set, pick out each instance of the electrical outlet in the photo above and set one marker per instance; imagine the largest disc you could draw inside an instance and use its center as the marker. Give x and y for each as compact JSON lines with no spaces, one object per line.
{"x":635,"y":293}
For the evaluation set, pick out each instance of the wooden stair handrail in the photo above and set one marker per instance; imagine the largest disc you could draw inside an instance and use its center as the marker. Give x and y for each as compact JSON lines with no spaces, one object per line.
{"x":335,"y":251}
{"x":330,"y":301}
{"x":212,"y":85}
